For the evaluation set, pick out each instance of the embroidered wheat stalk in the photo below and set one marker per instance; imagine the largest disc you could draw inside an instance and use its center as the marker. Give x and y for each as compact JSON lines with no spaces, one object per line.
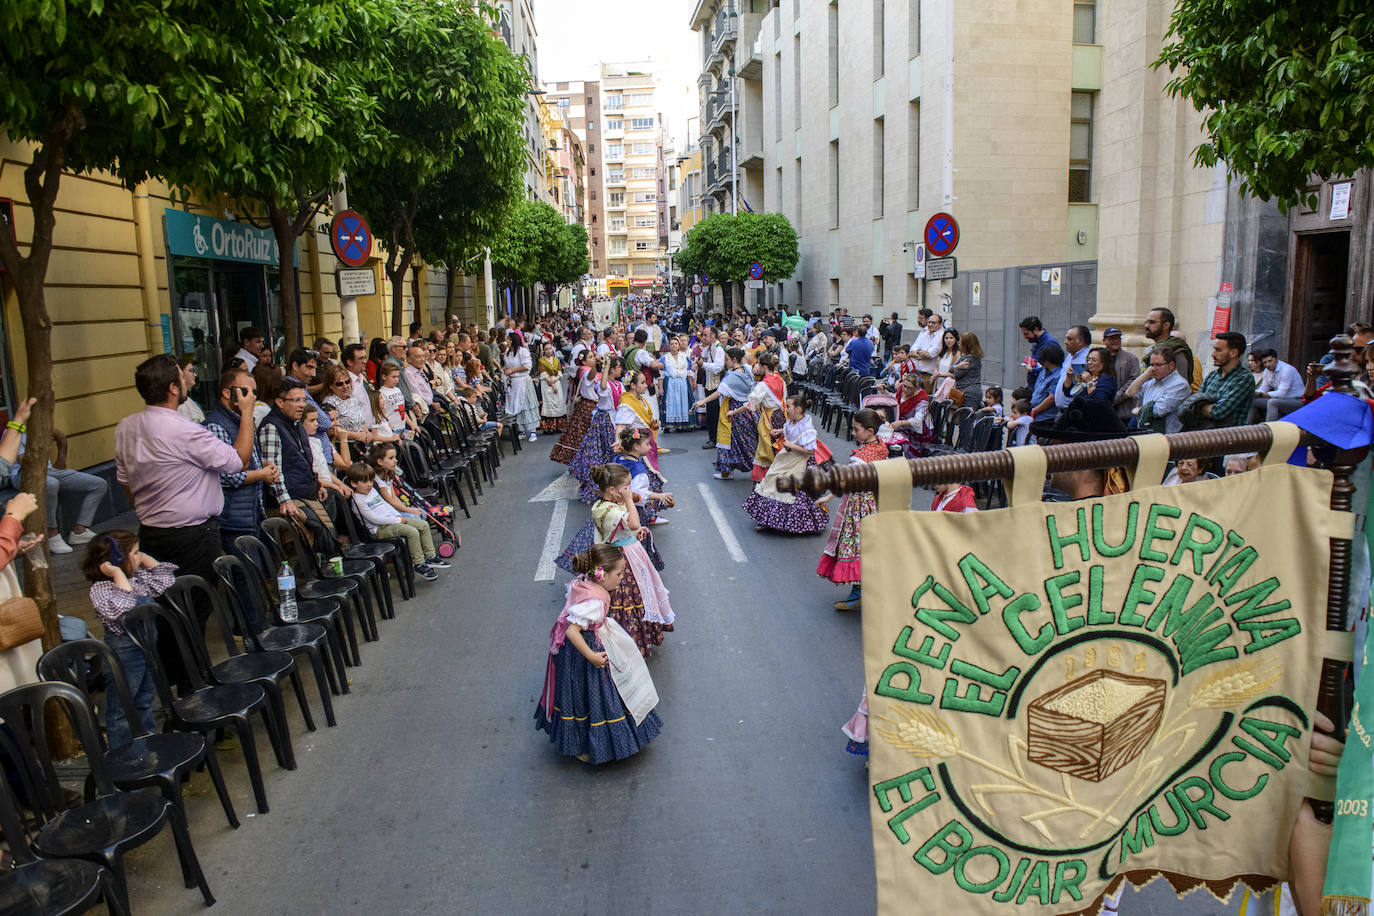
{"x":925,"y":735}
{"x":1235,"y":684}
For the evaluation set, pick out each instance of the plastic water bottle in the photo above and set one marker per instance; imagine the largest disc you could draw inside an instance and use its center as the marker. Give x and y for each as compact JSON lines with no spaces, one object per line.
{"x":286,"y":588}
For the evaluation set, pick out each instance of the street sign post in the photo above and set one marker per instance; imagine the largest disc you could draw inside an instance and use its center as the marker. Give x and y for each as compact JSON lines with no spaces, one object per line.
{"x":942,"y":235}
{"x":696,"y":289}
{"x":918,"y":269}
{"x":756,"y":271}
{"x":350,"y":238}
{"x":350,"y":284}
{"x":942,"y":268}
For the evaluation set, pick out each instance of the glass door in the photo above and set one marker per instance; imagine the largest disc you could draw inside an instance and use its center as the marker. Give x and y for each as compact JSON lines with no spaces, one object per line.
{"x":197,"y":325}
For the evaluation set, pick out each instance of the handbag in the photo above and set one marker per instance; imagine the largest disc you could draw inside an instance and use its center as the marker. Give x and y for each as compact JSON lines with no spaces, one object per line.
{"x":20,"y":622}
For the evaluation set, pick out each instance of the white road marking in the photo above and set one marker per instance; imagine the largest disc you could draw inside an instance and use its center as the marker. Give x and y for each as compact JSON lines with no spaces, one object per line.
{"x":564,"y":487}
{"x":726,"y":533}
{"x":553,"y":542}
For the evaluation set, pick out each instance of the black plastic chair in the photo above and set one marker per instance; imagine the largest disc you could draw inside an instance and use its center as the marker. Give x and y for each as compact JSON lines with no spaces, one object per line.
{"x":450,"y":461}
{"x":100,"y":831}
{"x":295,"y":639}
{"x":158,"y":760}
{"x":380,"y":551}
{"x":204,"y":709}
{"x":472,"y":442}
{"x":268,"y":670}
{"x":329,"y":612}
{"x":312,"y":584}
{"x":48,"y":887}
{"x":487,"y":440}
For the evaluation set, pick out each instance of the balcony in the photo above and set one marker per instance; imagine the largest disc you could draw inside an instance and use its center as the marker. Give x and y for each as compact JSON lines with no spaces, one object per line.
{"x":613,"y":204}
{"x":751,"y":67}
{"x":614,"y":179}
{"x":726,"y":31}
{"x":615,"y":230}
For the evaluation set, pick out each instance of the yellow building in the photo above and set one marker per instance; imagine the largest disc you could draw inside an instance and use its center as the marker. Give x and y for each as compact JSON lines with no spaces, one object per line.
{"x":133,"y":274}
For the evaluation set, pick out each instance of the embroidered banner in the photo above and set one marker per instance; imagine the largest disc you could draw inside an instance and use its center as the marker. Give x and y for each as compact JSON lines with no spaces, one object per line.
{"x":1063,"y":696}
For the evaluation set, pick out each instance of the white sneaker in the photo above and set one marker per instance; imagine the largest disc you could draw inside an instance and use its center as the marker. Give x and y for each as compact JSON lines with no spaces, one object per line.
{"x":85,"y":537}
{"x":57,"y":545}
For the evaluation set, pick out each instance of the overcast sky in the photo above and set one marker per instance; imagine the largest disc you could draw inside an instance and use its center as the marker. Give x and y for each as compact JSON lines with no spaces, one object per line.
{"x":577,"y":36}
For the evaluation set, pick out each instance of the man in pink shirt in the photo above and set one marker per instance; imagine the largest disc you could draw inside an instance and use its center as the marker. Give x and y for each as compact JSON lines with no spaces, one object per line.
{"x":170,"y":468}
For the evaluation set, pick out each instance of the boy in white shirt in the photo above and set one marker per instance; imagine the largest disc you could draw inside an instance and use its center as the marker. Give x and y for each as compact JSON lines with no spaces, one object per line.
{"x":321,"y":463}
{"x":385,"y":522}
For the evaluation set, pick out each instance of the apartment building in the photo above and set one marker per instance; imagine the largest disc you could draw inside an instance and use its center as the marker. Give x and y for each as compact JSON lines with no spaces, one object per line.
{"x":861,"y":119}
{"x":617,"y":119}
{"x":731,"y":111}
{"x":515,"y":25}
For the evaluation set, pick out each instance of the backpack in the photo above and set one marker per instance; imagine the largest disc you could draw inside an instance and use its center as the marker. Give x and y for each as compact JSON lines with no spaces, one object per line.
{"x":628,"y":360}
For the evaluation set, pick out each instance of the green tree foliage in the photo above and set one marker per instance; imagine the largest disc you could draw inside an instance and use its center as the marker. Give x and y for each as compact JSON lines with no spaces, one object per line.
{"x":450,"y":108}
{"x":723,"y":246}
{"x":117,"y":86}
{"x":571,"y":260}
{"x":1286,"y":88}
{"x":281,"y":158}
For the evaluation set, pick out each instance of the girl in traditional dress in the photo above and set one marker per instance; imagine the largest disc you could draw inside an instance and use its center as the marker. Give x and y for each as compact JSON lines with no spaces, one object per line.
{"x":522,"y":404}
{"x":791,"y":513}
{"x":647,"y":487}
{"x":736,"y":439}
{"x":678,"y":379}
{"x":765,"y":400}
{"x":553,"y":408}
{"x":584,"y":384}
{"x":598,"y":445}
{"x":840,"y":558}
{"x":581,"y":707}
{"x":634,"y":412}
{"x":640,"y":603}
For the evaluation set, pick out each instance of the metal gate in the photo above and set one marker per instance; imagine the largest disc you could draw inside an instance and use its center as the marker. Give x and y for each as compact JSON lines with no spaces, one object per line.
{"x":991,"y":304}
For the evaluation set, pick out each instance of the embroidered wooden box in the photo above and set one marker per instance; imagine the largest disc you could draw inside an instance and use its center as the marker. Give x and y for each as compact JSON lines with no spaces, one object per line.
{"x":1094,"y":725}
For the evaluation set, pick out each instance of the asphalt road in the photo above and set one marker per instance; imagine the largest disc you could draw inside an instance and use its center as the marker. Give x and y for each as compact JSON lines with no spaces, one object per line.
{"x":436,"y":795}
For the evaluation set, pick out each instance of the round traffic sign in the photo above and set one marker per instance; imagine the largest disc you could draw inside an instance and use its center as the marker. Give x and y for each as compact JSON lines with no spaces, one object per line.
{"x":942,"y":234}
{"x":351,"y":238}
{"x":756,"y":271}
{"x":696,"y":288}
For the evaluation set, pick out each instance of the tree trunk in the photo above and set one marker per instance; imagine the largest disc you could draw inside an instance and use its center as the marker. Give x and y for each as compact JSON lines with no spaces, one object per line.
{"x":284,"y":230}
{"x":396,"y":267}
{"x":727,"y":290}
{"x":41,"y":180}
{"x":449,"y":297}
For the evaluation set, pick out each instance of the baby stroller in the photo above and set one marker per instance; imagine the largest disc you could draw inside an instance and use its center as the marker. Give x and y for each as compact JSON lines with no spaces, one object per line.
{"x":439,"y":517}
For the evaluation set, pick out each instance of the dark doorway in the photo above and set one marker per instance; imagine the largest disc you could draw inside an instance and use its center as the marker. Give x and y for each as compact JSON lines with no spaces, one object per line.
{"x":1321,"y":268}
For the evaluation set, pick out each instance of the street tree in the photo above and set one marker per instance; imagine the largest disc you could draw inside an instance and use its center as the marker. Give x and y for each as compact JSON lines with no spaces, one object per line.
{"x":451,"y":108}
{"x":569,"y":261}
{"x":457,"y":220}
{"x":283,"y":157}
{"x":1286,"y":88}
{"x":111,"y":86}
{"x":529,"y":248}
{"x":724,"y":246}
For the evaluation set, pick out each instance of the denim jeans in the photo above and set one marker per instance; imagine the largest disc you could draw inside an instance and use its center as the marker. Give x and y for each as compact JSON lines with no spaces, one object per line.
{"x":118,"y":732}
